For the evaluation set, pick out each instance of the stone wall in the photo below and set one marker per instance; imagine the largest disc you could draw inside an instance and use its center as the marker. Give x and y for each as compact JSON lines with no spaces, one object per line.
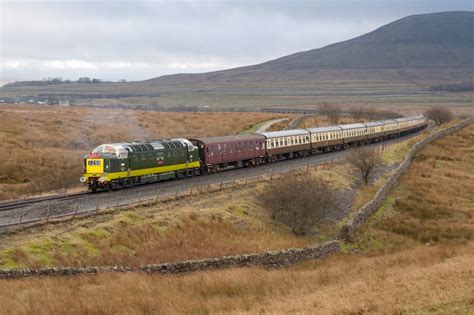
{"x":272,"y":259}
{"x":347,"y":231}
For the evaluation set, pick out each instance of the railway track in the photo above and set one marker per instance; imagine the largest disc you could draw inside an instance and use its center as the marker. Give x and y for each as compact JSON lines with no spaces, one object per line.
{"x":10,"y":205}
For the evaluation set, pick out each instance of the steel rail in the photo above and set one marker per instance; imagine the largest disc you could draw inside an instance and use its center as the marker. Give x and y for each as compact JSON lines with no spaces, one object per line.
{"x":11,"y":205}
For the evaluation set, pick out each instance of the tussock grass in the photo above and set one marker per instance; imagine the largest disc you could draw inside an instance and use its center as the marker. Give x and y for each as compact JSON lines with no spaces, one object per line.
{"x":436,"y":201}
{"x":426,"y":279}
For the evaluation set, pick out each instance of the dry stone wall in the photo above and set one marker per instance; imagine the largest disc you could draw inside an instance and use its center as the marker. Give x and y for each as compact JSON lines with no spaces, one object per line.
{"x":272,"y":259}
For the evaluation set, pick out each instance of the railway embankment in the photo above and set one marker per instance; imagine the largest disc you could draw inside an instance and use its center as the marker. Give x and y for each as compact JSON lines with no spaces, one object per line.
{"x":270,"y":259}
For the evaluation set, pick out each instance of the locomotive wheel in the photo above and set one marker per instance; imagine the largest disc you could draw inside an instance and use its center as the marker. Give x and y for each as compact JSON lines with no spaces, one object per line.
{"x":94,"y":187}
{"x":109,"y":187}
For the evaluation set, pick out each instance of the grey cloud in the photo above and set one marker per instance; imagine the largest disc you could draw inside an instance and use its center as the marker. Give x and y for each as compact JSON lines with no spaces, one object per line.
{"x":143,"y":39}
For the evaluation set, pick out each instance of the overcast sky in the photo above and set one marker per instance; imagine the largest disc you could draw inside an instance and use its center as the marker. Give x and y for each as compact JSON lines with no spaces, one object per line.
{"x":137,"y":40}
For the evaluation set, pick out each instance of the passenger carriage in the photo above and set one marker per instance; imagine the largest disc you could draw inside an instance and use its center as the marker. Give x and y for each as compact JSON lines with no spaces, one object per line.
{"x":326,"y":138}
{"x":375,"y":130}
{"x":404,"y":124}
{"x":287,"y":143}
{"x":390,"y":128}
{"x":217,"y":153}
{"x":354,"y":133}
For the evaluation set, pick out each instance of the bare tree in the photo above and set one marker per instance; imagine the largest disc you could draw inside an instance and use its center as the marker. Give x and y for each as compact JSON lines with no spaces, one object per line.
{"x":333,"y":112}
{"x":365,"y":159}
{"x":361,"y":112}
{"x":301,"y":202}
{"x":439,"y":115}
{"x":357,"y":112}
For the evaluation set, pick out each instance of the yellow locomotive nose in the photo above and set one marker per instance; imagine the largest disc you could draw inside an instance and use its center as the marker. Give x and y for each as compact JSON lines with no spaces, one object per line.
{"x":95,"y":166}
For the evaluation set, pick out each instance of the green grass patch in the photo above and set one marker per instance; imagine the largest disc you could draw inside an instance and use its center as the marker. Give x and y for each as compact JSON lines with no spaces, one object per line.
{"x":254,"y":127}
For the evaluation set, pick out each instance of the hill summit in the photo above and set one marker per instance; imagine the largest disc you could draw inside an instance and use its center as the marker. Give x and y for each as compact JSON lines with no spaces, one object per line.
{"x":436,"y":41}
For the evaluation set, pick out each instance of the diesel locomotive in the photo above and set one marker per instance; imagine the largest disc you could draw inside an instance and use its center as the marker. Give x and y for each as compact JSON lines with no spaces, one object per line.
{"x":116,"y":165}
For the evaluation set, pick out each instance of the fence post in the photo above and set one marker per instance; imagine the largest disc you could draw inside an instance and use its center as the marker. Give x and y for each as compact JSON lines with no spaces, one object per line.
{"x":139,"y":198}
{"x":97,"y":205}
{"x":75,"y":210}
{"x":117,"y":204}
{"x":176,"y":193}
{"x":48,"y":212}
{"x":157,"y":195}
{"x":271,"y":174}
{"x":19,"y":220}
{"x":191,"y":191}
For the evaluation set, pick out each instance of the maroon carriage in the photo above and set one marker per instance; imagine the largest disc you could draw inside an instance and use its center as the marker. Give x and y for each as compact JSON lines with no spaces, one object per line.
{"x":219,"y":153}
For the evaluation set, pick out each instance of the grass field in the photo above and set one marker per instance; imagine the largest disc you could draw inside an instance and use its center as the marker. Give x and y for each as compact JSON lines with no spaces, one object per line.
{"x":41,"y":147}
{"x":379,"y":88}
{"x":414,"y":256}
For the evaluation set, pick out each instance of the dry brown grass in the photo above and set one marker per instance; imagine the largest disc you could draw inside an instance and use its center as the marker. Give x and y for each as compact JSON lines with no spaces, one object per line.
{"x":435,"y":202}
{"x":227,"y":222}
{"x":41,"y":147}
{"x":427,"y":279}
{"x":398,"y":272}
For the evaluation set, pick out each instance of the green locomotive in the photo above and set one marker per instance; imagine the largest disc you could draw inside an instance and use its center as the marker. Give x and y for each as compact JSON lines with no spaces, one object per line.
{"x":116,"y":165}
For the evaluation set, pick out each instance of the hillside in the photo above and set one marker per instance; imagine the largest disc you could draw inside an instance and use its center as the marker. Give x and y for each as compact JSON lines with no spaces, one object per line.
{"x":428,"y":41}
